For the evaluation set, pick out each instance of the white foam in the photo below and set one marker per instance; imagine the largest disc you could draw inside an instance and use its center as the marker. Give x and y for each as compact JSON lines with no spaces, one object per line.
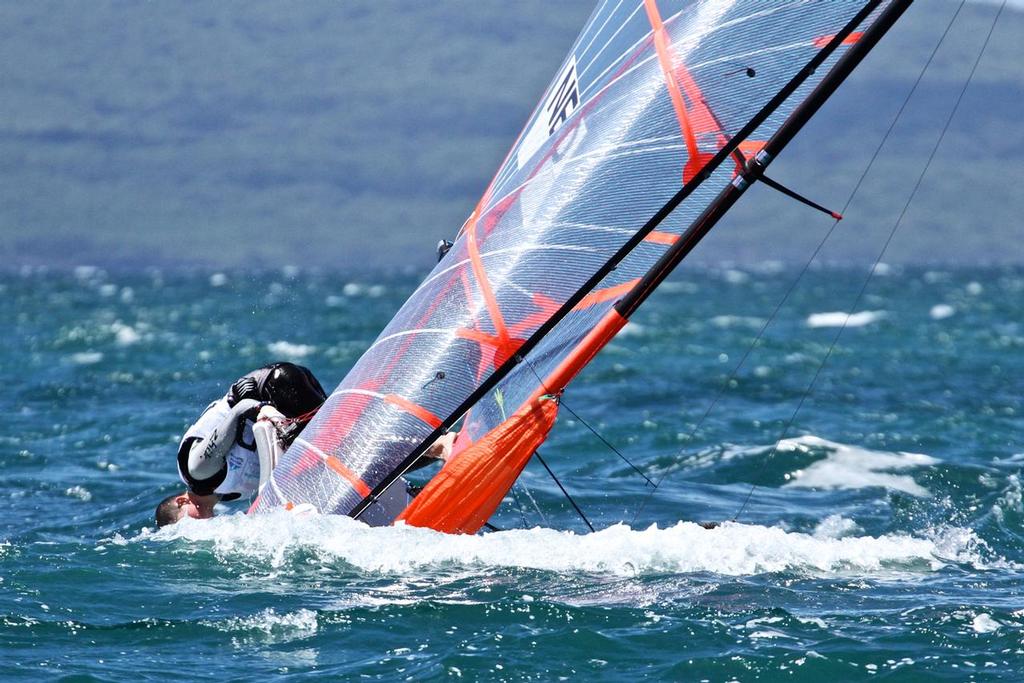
{"x":86,"y":357}
{"x":852,"y":467}
{"x":726,"y":321}
{"x":735,"y":277}
{"x":86,"y":272}
{"x":941,"y":311}
{"x":731,"y":549}
{"x":218,"y":280}
{"x":124,"y":335}
{"x":835,"y":526}
{"x":268,"y":621}
{"x":632,"y":329}
{"x":290,"y":350}
{"x":984,"y":623}
{"x":79,"y":492}
{"x":841,"y":318}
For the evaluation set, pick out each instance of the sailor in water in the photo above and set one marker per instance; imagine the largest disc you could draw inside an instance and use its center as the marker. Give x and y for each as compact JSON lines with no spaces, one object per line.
{"x":217,"y":457}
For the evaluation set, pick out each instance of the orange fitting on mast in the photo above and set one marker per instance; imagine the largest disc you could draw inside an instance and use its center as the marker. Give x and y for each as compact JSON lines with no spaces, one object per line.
{"x":584,"y":352}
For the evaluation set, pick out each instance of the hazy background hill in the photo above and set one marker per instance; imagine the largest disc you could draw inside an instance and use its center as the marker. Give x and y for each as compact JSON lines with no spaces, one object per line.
{"x":355,"y":134}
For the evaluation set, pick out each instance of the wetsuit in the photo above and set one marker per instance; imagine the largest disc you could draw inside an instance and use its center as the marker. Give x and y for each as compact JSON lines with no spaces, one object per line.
{"x":217,"y":454}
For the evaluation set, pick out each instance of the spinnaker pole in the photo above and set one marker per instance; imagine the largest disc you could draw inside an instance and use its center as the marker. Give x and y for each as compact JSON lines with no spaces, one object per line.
{"x":683,"y":245}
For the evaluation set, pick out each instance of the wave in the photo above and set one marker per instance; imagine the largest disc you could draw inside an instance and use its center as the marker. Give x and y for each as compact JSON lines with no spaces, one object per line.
{"x":843,"y":319}
{"x":852,"y":467}
{"x":732,"y":549}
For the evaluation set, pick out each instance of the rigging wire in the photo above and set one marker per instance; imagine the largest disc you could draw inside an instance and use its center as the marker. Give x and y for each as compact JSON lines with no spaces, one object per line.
{"x":519,"y":505}
{"x":566,"y":493}
{"x":885,"y":246}
{"x":803,"y":271}
{"x":562,"y":403}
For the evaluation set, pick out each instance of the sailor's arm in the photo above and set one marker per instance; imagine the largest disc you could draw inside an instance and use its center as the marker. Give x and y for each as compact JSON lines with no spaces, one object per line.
{"x":439,"y":451}
{"x":208,"y":457}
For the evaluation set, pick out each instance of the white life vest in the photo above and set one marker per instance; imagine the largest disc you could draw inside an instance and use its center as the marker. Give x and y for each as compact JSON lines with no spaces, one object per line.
{"x":243,"y":475}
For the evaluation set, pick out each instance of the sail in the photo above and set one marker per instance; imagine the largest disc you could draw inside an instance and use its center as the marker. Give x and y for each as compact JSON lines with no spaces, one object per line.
{"x":653,"y":97}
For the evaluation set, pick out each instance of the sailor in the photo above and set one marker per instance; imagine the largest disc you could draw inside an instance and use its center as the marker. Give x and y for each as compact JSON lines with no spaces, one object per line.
{"x":217,"y":457}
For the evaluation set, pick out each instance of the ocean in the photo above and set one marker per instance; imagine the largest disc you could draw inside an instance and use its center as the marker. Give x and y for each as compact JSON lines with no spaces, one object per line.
{"x":880,"y":538}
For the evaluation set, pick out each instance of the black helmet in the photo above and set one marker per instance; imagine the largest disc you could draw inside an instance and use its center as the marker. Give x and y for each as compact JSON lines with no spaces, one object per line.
{"x":292,"y":389}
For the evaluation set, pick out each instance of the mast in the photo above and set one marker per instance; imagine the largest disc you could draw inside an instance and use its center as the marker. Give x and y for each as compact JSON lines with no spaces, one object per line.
{"x":696,"y":231}
{"x":755,"y":167}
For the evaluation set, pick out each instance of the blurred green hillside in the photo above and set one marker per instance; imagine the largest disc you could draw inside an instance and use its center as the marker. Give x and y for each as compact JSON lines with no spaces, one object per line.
{"x":355,"y":134}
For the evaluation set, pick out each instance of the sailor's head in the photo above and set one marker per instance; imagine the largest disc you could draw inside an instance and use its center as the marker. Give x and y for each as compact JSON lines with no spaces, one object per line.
{"x":293,"y":389}
{"x":177,"y":506}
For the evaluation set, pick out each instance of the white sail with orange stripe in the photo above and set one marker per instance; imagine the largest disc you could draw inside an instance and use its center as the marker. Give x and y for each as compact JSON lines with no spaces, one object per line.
{"x":653,"y":115}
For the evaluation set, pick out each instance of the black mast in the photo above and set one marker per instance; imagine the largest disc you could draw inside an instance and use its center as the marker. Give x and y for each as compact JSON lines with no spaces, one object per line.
{"x":702,"y":225}
{"x":755,"y":167}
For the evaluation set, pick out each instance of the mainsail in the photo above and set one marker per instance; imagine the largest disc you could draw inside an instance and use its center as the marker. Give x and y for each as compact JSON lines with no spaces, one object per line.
{"x":660,"y":116}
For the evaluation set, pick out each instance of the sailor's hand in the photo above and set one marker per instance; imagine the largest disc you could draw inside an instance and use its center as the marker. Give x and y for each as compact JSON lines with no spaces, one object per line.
{"x":269,"y":412}
{"x":244,"y":388}
{"x":442,"y":448}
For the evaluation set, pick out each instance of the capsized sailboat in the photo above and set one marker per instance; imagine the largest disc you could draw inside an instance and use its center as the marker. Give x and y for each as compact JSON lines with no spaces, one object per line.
{"x":660,"y":118}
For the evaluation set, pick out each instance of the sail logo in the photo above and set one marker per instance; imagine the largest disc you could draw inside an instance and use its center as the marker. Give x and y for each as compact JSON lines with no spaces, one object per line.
{"x":562,"y":100}
{"x":565,"y":98}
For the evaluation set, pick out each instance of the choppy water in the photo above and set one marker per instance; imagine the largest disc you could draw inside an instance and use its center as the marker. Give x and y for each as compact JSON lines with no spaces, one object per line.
{"x":884,"y":539}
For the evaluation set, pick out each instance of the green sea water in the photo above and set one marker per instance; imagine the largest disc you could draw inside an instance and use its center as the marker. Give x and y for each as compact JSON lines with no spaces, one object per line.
{"x":883,"y":538}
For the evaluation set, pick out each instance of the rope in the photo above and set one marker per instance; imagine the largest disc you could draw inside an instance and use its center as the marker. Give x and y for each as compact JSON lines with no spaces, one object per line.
{"x":562,"y":403}
{"x":806,"y":266}
{"x":888,"y":241}
{"x":566,"y":493}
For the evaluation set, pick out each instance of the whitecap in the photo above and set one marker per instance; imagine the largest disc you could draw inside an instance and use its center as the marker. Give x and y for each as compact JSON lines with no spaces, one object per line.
{"x":86,"y":272}
{"x":86,"y":357}
{"x":268,"y":621}
{"x":124,"y":335}
{"x":941,"y":311}
{"x":79,"y":492}
{"x":984,"y":623}
{"x":852,"y":467}
{"x":290,"y":350}
{"x":730,"y":549}
{"x":835,"y":526}
{"x":632,"y":329}
{"x":735,"y":277}
{"x":218,"y":280}
{"x":842,"y":319}
{"x":726,"y":321}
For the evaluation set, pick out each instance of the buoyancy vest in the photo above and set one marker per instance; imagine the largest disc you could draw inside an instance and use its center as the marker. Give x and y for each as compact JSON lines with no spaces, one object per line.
{"x":241,"y":476}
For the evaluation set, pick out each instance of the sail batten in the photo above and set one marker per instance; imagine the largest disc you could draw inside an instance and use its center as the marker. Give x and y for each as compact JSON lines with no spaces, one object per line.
{"x":584,"y":165}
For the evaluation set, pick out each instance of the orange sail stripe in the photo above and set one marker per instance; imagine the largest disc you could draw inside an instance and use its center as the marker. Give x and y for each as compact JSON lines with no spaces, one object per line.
{"x":659,"y":237}
{"x":485,"y":286}
{"x":750,"y":148}
{"x":822,"y":41}
{"x":413,"y":409}
{"x":607,"y":294}
{"x":665,"y":59}
{"x":358,"y":484}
